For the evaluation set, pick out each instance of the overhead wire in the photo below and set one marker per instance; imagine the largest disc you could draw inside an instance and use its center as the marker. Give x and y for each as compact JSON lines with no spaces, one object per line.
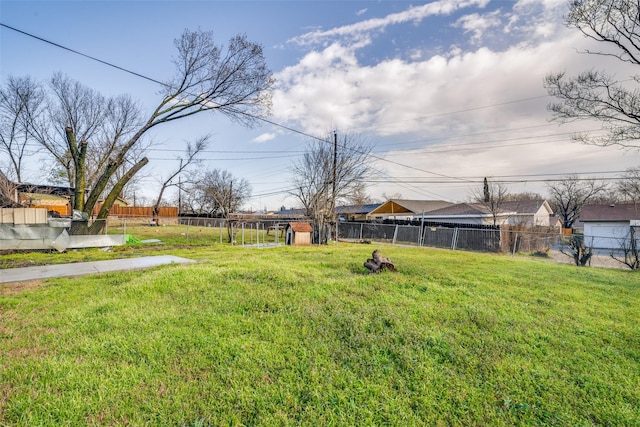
{"x":297,"y":131}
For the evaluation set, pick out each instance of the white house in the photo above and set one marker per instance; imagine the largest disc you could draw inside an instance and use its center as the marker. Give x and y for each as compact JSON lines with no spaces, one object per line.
{"x":527,"y":213}
{"x":609,"y":226}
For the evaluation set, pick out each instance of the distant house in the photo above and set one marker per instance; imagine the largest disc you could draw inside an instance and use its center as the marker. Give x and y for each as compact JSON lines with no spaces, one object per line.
{"x":299,"y":234}
{"x":53,"y":198}
{"x":355,"y":212}
{"x":555,"y":221}
{"x":290,"y":213}
{"x":529,"y":213}
{"x":405,"y":209}
{"x":467,"y":213}
{"x":609,"y":226}
{"x":524,"y":213}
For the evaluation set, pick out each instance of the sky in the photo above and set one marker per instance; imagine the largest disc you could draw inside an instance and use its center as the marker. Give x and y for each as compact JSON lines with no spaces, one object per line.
{"x":446,"y":92}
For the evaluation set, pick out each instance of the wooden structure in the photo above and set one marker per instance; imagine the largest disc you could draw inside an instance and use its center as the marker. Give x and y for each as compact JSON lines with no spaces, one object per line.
{"x":405,"y":209}
{"x":139,"y":211}
{"x":299,"y":234}
{"x":23,"y":216}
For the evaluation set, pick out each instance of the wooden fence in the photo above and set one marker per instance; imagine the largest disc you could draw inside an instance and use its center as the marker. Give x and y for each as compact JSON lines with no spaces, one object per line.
{"x":140,"y":211}
{"x":116,"y":210}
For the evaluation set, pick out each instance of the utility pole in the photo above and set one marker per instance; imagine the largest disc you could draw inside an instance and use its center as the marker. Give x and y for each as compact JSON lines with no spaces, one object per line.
{"x":335,"y":166}
{"x":333,"y":192}
{"x":179,"y":194}
{"x":230,"y":196}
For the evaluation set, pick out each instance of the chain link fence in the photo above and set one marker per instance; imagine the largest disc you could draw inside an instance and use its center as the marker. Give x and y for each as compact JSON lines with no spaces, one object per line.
{"x":193,"y":230}
{"x":622,"y":252}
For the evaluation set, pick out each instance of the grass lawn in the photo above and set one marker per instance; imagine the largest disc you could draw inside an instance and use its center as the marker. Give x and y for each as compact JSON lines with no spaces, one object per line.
{"x":302,"y":336}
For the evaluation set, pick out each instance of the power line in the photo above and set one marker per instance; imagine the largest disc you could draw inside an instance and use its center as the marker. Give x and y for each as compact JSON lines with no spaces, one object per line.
{"x":448,"y":113}
{"x":109,"y":64}
{"x":296,"y":131}
{"x":462,"y":144}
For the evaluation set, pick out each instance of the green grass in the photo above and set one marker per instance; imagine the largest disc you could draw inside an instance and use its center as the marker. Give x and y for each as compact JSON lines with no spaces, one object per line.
{"x":302,"y":336}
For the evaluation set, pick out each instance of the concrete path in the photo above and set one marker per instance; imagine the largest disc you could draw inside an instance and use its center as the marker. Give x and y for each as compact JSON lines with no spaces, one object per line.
{"x":11,"y":275}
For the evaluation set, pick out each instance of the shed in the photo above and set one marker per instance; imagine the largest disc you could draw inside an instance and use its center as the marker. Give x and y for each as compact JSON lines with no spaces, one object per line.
{"x":299,"y":234}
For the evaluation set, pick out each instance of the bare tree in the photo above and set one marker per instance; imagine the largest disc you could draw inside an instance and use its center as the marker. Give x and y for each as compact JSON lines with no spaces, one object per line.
{"x":190,"y":158}
{"x":629,"y":185}
{"x":492,"y":196}
{"x":570,"y":195}
{"x":234,"y":81}
{"x":359,"y":195}
{"x":328,"y":173}
{"x":21,"y":100}
{"x":217,"y":193}
{"x":8,"y":192}
{"x":523,"y":197}
{"x":597,"y":95}
{"x":578,"y":251}
{"x":630,"y":247}
{"x":386,"y":197}
{"x":89,"y":117}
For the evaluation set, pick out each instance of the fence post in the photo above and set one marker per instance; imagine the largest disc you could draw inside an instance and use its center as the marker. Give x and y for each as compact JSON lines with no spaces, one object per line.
{"x":361,"y":225}
{"x":395,"y":234}
{"x":421,"y":232}
{"x":243,"y":234}
{"x":188,"y":224}
{"x":454,"y":239}
{"x":515,"y":244}
{"x":220,"y":228}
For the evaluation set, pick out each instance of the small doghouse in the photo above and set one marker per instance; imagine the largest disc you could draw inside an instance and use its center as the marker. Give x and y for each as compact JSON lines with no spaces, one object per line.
{"x":299,"y":234}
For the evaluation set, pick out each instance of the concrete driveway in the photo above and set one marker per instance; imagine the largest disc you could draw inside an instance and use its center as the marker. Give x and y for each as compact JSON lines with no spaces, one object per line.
{"x":11,"y":275}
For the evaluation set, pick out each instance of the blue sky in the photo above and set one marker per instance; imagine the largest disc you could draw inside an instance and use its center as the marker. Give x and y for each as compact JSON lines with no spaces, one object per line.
{"x":447,"y":92}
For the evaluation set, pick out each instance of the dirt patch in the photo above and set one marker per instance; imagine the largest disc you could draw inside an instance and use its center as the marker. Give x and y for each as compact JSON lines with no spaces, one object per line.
{"x":603,"y":261}
{"x":18,"y":287}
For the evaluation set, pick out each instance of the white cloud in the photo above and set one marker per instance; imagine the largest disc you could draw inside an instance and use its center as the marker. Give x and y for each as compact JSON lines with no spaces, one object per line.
{"x":264,"y":138}
{"x":361,"y":12}
{"x":478,"y":24}
{"x":413,"y":14}
{"x":490,"y":97}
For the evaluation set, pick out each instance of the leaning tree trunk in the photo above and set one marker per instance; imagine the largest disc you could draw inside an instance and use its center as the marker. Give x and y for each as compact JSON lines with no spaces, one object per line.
{"x":99,"y":224}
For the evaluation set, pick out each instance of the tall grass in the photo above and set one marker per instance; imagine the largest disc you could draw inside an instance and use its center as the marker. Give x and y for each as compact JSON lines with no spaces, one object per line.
{"x":302,"y":336}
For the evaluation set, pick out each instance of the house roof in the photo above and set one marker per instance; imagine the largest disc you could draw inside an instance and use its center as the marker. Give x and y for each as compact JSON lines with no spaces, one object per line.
{"x":528,"y":207}
{"x":301,"y":227}
{"x":462,"y":209}
{"x":45,"y":189}
{"x":45,"y":196}
{"x":356,"y":209}
{"x":603,"y":213}
{"x":290,"y":212}
{"x":408,"y":207}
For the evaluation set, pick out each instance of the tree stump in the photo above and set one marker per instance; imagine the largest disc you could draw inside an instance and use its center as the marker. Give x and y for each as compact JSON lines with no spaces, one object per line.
{"x":378,"y":263}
